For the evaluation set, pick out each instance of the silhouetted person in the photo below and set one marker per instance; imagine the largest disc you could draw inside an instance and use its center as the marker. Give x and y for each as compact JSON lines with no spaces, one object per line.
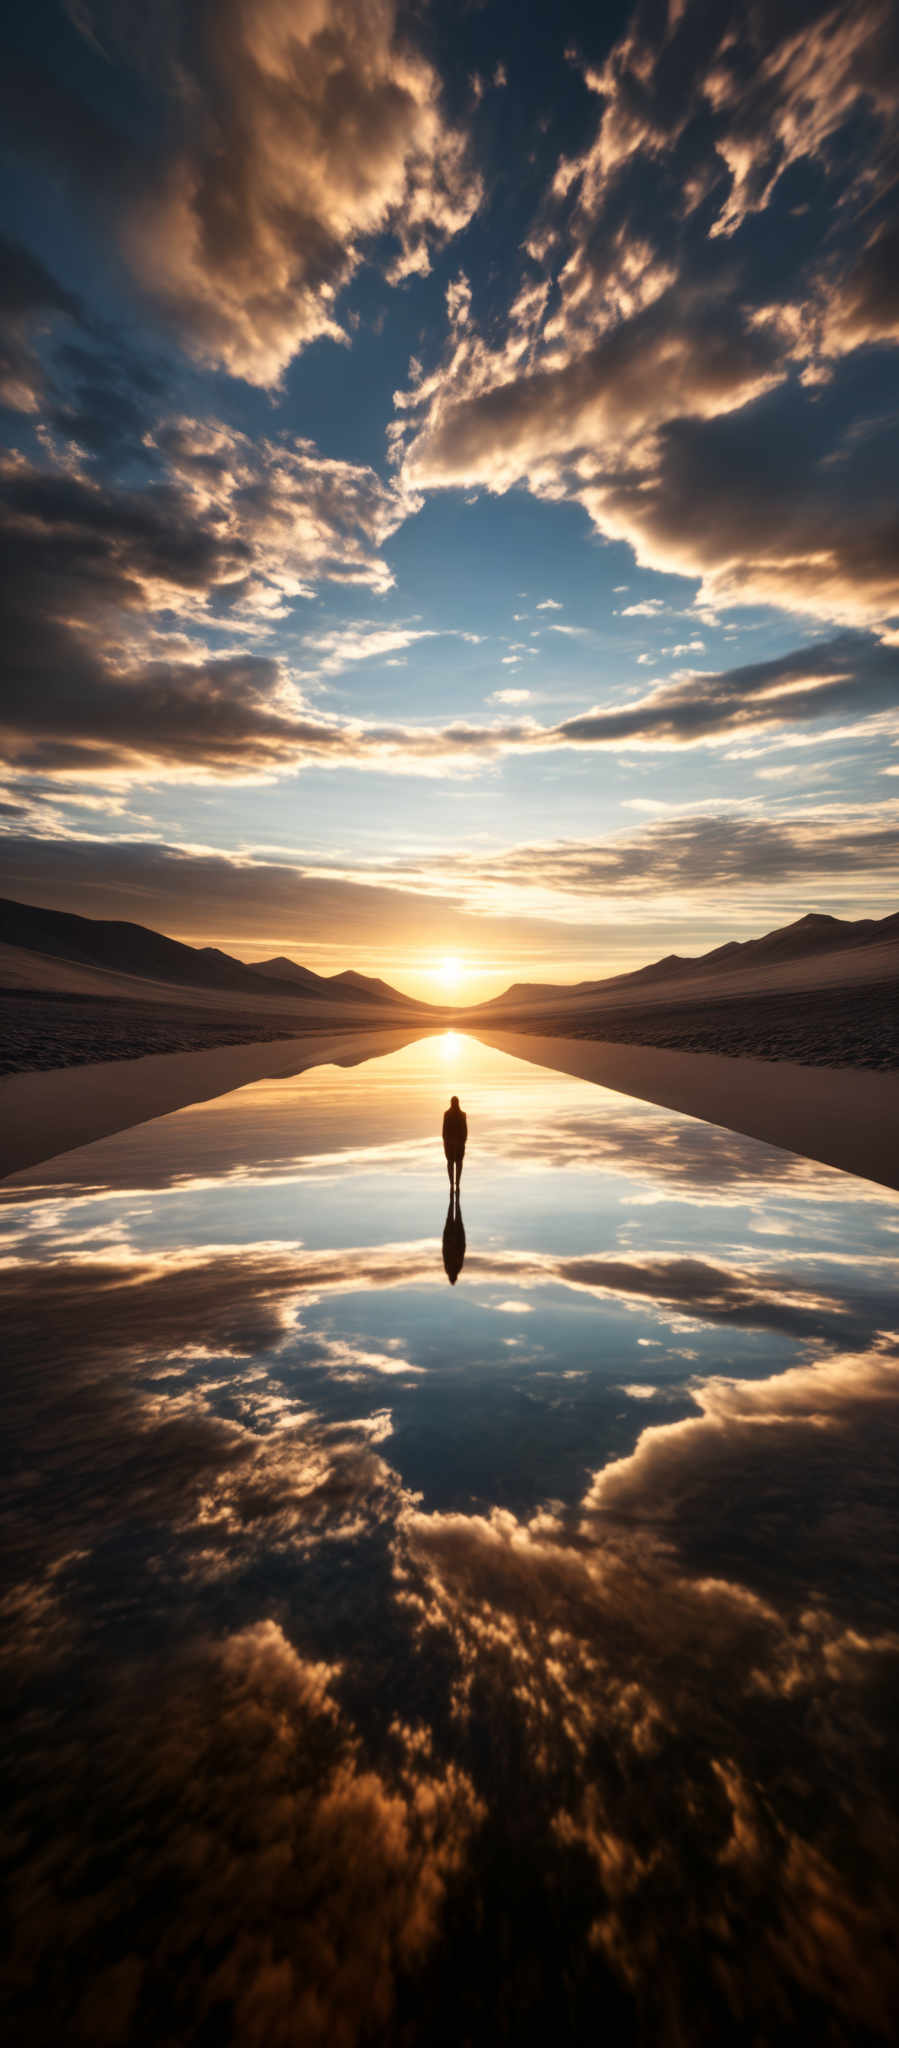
{"x":453,"y":1241}
{"x":455,"y":1132}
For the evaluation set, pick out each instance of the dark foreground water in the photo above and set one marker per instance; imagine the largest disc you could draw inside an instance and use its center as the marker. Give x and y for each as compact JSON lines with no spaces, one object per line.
{"x":393,"y":1661}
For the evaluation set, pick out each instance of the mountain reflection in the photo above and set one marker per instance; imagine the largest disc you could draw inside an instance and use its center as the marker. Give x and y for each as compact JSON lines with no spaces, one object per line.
{"x":376,"y":1656}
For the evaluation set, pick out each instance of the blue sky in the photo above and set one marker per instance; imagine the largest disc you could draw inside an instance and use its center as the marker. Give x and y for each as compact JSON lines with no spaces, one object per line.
{"x":449,"y":494}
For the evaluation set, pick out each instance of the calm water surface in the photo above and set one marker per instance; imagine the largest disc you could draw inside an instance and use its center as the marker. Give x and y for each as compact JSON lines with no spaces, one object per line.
{"x":392,"y":1660}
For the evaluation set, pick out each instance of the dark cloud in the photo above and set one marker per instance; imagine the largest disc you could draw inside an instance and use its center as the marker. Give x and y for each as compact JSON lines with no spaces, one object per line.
{"x":209,"y":895}
{"x":710,"y":850}
{"x":849,"y":677}
{"x":30,"y":299}
{"x":812,"y":526}
{"x":248,"y":901}
{"x":685,"y":353}
{"x":99,"y":579}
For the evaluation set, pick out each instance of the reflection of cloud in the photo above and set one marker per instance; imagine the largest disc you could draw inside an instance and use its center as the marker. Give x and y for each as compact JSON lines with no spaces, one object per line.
{"x":300,"y":1131}
{"x":248,"y":1808}
{"x":209,"y":1300}
{"x":115,"y":1361}
{"x":674,"y":1154}
{"x":278,"y":1886}
{"x":140,"y":1335}
{"x":700,"y":1674}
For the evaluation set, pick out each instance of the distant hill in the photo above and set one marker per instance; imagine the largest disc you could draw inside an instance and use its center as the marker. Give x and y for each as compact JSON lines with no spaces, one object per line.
{"x":132,"y":959}
{"x":282,"y":969}
{"x":813,"y":934}
{"x":135,"y":950}
{"x":347,"y":984}
{"x":366,"y":985}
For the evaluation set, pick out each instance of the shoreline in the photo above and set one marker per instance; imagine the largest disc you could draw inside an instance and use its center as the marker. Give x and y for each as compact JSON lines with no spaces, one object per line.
{"x":844,"y":1117}
{"x":854,"y":1028}
{"x":851,"y":1028}
{"x":43,"y":1114}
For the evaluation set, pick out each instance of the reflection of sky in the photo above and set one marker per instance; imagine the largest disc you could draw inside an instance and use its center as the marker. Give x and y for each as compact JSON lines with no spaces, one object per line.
{"x":246,"y":1400}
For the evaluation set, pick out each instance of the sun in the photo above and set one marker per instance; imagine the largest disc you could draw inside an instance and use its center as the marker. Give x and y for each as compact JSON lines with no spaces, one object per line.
{"x":449,"y":972}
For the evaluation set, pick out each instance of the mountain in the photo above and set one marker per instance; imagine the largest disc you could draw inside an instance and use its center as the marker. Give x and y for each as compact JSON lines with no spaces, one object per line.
{"x":811,"y":935}
{"x":282,"y":969}
{"x":134,"y":950}
{"x":367,"y":985}
{"x":345,"y":985}
{"x":125,"y":954}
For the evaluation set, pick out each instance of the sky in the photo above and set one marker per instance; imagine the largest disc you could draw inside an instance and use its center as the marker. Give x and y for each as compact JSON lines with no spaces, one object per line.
{"x":449,"y":476}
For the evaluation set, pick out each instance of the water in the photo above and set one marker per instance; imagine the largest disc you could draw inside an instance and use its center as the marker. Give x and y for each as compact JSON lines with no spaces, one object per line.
{"x":402,"y":1661}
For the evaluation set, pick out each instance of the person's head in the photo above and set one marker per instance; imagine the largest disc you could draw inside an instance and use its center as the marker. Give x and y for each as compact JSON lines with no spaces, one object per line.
{"x":454,"y":1102}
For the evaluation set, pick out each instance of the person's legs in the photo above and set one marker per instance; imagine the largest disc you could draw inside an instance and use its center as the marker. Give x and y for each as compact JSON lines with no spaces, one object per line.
{"x":449,"y":1168}
{"x":459,"y":1160}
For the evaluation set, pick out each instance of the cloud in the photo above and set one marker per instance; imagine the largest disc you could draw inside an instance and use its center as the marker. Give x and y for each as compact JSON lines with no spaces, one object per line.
{"x":703,"y":850}
{"x":280,"y":147}
{"x":674,"y":357}
{"x":852,"y":676}
{"x":107,"y":588}
{"x":225,"y":538}
{"x":305,"y":516}
{"x":30,"y":300}
{"x":549,"y":604}
{"x":366,"y":640}
{"x":810,"y":527}
{"x":257,"y":899}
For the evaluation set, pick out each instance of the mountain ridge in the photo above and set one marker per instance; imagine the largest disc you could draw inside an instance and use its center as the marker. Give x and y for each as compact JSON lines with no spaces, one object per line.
{"x":121,"y":946}
{"x":137,"y":951}
{"x":816,"y":932}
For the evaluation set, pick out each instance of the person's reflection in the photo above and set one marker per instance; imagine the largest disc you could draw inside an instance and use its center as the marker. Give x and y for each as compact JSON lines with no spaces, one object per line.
{"x":453,"y":1240}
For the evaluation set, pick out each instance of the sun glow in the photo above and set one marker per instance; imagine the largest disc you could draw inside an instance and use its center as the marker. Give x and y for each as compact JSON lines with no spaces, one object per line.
{"x":449,"y":973}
